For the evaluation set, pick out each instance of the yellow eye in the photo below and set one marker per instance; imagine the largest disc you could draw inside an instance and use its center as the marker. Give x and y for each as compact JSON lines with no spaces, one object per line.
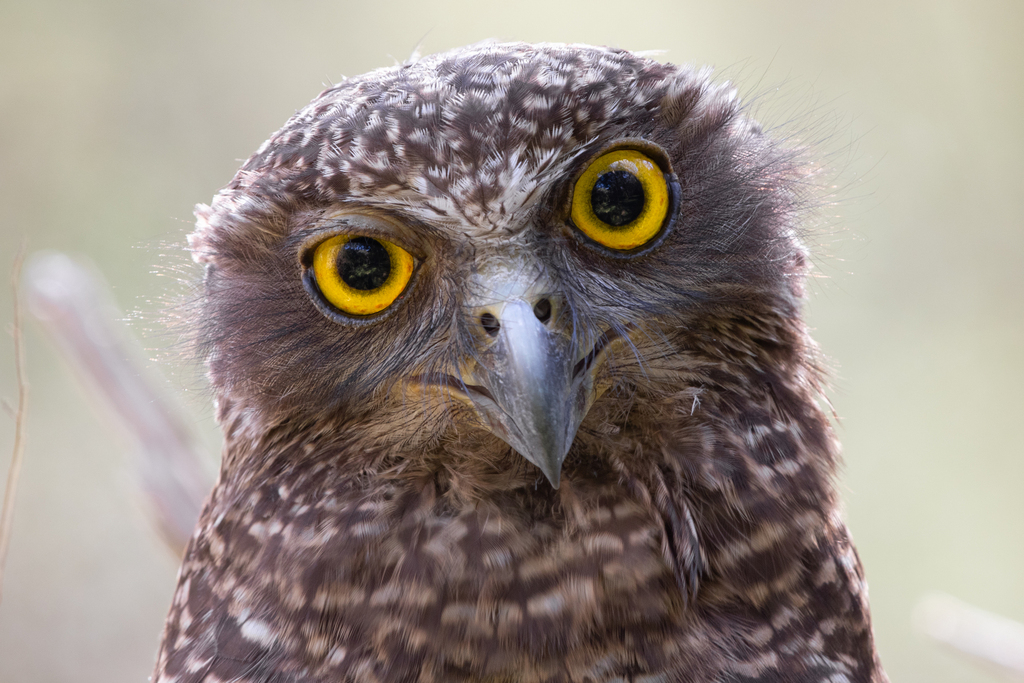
{"x":361,"y":275}
{"x":621,"y":200}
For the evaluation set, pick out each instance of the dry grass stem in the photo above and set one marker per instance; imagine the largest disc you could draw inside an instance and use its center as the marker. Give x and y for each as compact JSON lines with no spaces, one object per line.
{"x":76,"y":309}
{"x":20,"y":417}
{"x":988,"y":639}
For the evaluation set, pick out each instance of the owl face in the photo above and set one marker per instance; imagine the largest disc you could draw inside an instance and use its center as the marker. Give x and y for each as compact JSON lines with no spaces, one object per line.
{"x":487,"y":244}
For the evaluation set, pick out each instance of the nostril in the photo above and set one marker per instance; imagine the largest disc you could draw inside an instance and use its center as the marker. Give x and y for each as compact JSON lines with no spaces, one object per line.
{"x":542,"y":310}
{"x":490,"y":323}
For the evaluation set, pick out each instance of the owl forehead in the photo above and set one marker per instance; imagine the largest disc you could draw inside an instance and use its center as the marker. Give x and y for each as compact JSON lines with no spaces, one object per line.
{"x":473,"y":137}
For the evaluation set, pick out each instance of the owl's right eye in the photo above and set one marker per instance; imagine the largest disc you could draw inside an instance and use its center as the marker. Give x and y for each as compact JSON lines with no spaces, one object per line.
{"x":622,"y":200}
{"x":361,"y":275}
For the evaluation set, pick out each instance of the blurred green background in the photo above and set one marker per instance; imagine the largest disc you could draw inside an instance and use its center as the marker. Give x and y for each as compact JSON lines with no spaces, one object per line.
{"x":117,"y":116}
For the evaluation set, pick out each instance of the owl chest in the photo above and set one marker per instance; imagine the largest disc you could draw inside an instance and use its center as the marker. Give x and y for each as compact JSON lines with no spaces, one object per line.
{"x":492,"y":594}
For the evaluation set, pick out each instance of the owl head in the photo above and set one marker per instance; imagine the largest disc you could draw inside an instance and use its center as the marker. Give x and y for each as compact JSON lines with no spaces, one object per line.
{"x":506,"y":249}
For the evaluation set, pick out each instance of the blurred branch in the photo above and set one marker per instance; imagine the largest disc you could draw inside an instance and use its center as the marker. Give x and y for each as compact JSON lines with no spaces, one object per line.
{"x":20,"y":416}
{"x":984,"y":636}
{"x":76,"y":309}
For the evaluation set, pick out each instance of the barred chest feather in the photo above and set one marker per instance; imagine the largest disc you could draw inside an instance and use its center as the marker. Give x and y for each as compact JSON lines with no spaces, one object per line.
{"x":393,"y":581}
{"x":314,"y":577}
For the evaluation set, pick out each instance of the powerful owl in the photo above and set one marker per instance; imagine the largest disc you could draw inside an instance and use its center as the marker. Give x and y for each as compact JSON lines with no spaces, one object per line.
{"x":508,"y":354}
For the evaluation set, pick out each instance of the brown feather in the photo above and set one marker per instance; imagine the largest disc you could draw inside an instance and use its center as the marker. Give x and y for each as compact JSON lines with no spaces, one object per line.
{"x":366,"y":527}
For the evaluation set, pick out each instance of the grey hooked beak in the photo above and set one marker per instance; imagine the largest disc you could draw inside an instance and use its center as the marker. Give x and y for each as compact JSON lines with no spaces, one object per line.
{"x":532,"y":389}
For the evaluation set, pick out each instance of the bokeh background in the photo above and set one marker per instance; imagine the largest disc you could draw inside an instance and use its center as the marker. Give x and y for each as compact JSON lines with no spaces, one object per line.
{"x":116,"y":116}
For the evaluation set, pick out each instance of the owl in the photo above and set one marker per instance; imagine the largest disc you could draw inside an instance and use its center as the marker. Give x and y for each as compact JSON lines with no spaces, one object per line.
{"x":508,"y":354}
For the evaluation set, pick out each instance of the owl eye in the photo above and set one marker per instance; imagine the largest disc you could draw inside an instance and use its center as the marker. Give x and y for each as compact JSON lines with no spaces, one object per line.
{"x":621,"y":200}
{"x":361,"y":275}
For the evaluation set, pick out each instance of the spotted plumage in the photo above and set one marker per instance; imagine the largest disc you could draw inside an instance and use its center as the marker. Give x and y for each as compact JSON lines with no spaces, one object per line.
{"x":372,"y":523}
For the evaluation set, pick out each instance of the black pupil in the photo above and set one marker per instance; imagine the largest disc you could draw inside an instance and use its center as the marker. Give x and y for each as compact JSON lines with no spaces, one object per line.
{"x":364,"y":263}
{"x":617,"y":198}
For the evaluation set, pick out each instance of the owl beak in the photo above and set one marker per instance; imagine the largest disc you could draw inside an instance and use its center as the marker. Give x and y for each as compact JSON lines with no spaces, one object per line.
{"x":527,"y":388}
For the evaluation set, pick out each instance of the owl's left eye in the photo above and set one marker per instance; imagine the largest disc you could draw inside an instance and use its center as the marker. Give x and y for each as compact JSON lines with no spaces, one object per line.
{"x":621,"y":200}
{"x":361,"y":275}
